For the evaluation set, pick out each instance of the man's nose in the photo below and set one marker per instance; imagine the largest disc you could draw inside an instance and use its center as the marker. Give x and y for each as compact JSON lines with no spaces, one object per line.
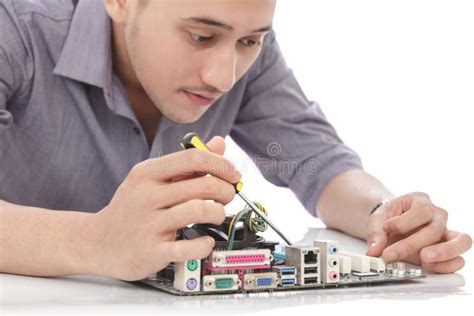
{"x":219,"y":71}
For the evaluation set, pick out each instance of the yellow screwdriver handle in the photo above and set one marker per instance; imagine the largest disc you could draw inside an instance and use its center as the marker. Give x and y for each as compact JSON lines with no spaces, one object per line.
{"x":192,"y":140}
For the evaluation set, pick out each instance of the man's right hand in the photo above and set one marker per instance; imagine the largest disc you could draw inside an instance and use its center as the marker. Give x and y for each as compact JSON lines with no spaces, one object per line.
{"x":134,"y":236}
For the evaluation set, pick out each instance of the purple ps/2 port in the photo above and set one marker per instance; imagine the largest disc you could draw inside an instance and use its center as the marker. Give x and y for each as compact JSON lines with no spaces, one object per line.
{"x":191,"y":284}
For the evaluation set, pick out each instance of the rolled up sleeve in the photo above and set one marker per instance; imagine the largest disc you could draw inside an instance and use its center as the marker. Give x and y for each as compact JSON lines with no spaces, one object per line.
{"x":286,"y":135}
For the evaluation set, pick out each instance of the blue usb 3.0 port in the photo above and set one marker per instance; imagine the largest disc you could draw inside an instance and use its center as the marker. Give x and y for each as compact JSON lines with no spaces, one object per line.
{"x":287,"y":282}
{"x":286,"y":271}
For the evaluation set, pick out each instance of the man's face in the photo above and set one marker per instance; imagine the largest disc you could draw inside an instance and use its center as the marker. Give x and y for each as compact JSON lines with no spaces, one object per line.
{"x":180,"y":49}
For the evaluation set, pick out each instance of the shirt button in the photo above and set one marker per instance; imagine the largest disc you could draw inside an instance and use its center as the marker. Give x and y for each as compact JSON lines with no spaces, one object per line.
{"x":136,"y":130}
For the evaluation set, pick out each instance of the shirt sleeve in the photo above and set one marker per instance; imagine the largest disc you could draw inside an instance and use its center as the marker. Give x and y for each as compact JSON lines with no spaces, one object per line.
{"x":286,"y":135}
{"x":15,"y":65}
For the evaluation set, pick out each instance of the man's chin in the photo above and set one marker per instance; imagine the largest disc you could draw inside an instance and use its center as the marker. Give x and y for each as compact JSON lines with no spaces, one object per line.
{"x":183,"y":118}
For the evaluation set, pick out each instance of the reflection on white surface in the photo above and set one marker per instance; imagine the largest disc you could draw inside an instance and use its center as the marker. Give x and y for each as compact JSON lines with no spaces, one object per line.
{"x":84,"y":294}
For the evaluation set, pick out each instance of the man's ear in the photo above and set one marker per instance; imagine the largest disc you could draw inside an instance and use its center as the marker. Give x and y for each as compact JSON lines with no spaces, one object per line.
{"x":118,"y":10}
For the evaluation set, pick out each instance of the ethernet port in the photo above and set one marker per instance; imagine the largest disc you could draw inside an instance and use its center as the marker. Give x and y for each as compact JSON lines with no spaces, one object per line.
{"x":310,"y":257}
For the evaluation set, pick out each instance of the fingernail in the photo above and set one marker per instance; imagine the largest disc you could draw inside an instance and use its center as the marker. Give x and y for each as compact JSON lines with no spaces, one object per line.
{"x":237,"y":176}
{"x":391,"y":256}
{"x":211,"y":241}
{"x":429,"y":255}
{"x":373,"y":244}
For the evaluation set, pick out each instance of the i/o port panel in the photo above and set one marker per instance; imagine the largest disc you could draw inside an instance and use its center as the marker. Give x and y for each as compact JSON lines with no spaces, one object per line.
{"x":255,"y":270}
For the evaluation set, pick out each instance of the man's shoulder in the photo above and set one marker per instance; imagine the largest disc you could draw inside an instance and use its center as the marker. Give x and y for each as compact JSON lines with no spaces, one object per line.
{"x":52,"y":9}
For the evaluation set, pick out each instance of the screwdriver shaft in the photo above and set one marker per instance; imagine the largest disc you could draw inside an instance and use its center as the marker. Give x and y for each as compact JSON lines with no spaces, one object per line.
{"x":259,"y":213}
{"x":192,"y":140}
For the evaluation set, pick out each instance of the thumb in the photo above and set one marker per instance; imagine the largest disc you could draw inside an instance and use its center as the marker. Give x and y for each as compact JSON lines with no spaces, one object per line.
{"x":217,"y":145}
{"x":377,"y":238}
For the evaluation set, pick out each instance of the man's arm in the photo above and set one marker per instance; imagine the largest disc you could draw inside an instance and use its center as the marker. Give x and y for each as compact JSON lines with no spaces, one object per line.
{"x":43,"y":242}
{"x":347,"y":200}
{"x":132,"y":237}
{"x":410,"y":227}
{"x":33,"y":241}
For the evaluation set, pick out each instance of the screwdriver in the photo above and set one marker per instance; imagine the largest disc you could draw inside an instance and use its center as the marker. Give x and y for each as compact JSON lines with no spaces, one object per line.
{"x":192,"y":140}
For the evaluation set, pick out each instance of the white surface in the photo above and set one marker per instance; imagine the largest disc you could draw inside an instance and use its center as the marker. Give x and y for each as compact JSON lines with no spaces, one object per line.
{"x":396,"y":78}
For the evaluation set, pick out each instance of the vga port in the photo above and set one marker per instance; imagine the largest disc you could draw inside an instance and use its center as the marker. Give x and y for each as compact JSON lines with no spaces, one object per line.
{"x":265,"y":280}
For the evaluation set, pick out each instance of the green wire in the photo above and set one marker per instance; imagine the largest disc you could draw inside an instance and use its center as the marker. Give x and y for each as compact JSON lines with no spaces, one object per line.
{"x":256,"y":224}
{"x":236,"y":219}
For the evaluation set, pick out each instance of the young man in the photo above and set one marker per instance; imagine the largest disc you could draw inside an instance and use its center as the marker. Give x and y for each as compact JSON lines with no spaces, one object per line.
{"x":94,"y":99}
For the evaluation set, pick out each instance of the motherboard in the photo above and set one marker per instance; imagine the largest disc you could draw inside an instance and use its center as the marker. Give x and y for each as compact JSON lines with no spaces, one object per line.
{"x":242,"y":261}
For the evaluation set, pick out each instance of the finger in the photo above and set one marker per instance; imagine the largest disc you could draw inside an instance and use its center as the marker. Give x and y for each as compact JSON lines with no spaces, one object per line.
{"x":194,"y":211}
{"x":456,"y":244}
{"x":399,"y":205}
{"x":448,"y":266}
{"x":202,"y":188}
{"x":187,"y":163}
{"x":412,"y":244}
{"x":417,"y":216}
{"x":377,"y":237}
{"x":182,"y":250}
{"x":217,"y":145}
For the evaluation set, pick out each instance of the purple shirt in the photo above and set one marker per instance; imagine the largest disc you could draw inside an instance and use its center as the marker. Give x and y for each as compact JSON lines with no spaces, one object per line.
{"x":68,"y":135}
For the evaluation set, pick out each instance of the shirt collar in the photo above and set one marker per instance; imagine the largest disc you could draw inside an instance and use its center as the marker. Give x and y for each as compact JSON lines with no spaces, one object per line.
{"x":87,"y":55}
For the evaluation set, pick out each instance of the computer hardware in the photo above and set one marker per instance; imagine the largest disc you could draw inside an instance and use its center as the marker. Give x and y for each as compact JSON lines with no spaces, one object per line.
{"x":243,"y":262}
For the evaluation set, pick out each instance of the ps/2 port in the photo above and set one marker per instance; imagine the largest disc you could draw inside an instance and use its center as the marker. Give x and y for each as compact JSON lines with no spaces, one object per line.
{"x":191,"y":284}
{"x":192,"y":265}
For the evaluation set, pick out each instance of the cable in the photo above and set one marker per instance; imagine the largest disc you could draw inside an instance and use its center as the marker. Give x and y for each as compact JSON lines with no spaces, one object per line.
{"x":256,"y":223}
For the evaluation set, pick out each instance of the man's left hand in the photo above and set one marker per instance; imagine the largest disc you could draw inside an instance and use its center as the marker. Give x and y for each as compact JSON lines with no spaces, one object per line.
{"x":411,"y":228}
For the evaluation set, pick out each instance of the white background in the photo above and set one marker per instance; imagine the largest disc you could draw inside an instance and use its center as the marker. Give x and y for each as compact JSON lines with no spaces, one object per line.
{"x":396,"y":79}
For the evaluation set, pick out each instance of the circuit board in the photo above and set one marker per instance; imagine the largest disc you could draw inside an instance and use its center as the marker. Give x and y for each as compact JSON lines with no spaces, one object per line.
{"x":167,"y":285}
{"x":249,"y":264}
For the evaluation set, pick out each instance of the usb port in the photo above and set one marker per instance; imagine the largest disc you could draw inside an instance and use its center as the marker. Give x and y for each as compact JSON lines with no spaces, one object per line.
{"x":312,"y":280}
{"x":288,"y":282}
{"x":310,"y":270}
{"x":286,"y":271}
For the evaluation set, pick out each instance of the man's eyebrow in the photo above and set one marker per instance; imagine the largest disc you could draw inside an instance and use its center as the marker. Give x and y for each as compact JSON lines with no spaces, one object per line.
{"x":212,"y":22}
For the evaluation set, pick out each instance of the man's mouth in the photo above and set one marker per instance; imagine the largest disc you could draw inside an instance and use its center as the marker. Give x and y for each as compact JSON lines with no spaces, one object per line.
{"x":199,"y":99}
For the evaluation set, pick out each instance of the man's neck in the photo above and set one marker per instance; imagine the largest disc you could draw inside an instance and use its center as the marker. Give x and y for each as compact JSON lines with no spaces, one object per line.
{"x":145,"y":111}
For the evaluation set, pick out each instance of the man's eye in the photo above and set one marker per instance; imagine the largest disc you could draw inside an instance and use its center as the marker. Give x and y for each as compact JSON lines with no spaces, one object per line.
{"x":201,"y":39}
{"x":249,"y":42}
